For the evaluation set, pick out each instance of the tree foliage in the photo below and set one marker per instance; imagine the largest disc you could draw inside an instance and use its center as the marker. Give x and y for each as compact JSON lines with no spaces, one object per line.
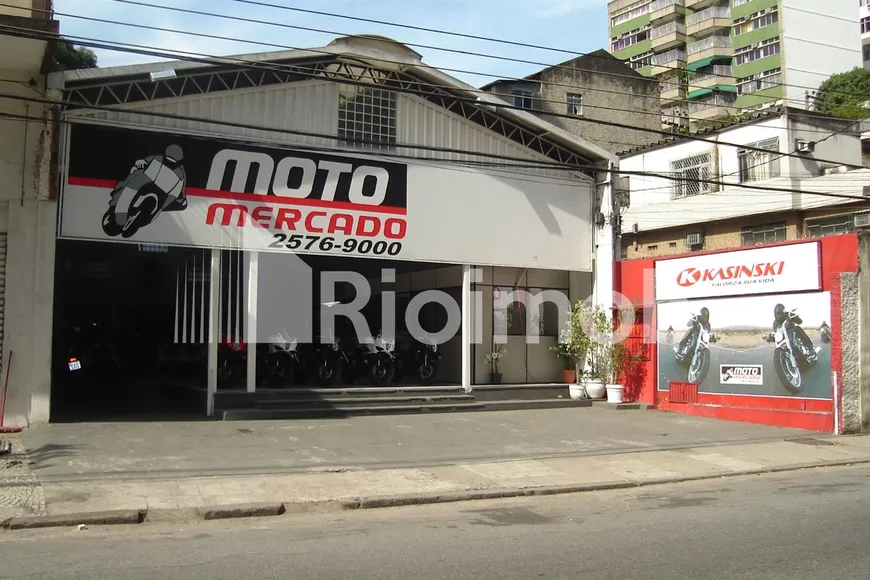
{"x":70,"y":57}
{"x":844,"y":94}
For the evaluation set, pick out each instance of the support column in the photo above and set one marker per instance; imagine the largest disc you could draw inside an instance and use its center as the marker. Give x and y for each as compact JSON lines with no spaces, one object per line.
{"x":253,"y":259}
{"x":213,"y":329}
{"x":467,"y":320}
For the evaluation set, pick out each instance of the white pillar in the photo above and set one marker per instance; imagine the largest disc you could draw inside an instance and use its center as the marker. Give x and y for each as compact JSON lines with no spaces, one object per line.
{"x":602,"y":291}
{"x":467,"y":319}
{"x":213,"y":329}
{"x":251,"y":326}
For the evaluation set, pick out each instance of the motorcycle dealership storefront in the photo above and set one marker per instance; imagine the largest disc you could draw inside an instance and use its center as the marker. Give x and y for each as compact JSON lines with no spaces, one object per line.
{"x":751,"y":335}
{"x":190,"y":262}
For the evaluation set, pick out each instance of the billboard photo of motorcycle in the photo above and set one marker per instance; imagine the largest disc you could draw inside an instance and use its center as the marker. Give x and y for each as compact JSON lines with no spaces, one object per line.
{"x":756,"y":345}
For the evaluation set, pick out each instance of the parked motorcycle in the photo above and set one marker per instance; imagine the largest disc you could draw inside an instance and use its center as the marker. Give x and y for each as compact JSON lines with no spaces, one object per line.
{"x":85,"y":354}
{"x":379,"y":360}
{"x":794,"y":351}
{"x":420,"y":361}
{"x":696,"y":353}
{"x":278,"y":361}
{"x":155,"y":184}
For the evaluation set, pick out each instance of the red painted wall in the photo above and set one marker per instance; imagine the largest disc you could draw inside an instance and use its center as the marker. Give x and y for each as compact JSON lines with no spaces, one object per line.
{"x":632,"y":279}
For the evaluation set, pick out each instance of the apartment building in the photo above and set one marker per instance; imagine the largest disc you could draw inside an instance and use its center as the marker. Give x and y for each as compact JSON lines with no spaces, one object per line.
{"x":585,"y":94}
{"x":777,"y":175}
{"x":864,"y":23}
{"x":715,"y":58}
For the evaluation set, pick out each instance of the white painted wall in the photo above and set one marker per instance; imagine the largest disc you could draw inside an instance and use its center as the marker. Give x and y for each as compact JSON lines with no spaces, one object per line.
{"x":652,"y":207}
{"x":818,"y":39}
{"x":29,"y":219}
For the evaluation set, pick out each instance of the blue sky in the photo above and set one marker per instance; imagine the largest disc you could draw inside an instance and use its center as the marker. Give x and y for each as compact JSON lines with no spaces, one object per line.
{"x":572,"y":25}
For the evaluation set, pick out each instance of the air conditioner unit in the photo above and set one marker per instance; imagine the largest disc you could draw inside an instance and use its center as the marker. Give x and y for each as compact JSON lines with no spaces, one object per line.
{"x":694,"y":239}
{"x":862,"y":220}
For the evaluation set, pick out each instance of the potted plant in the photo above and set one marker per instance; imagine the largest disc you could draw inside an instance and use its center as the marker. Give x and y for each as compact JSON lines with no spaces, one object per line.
{"x":572,"y":348}
{"x":492,"y":359}
{"x":609,"y":355}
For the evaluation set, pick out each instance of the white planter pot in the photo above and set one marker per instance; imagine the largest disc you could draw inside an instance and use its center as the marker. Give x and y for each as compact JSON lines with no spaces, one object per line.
{"x":595,"y":388}
{"x":614,"y":393}
{"x":577,"y":392}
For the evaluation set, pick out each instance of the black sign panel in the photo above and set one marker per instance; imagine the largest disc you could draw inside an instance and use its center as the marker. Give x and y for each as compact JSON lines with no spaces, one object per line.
{"x":107,"y":153}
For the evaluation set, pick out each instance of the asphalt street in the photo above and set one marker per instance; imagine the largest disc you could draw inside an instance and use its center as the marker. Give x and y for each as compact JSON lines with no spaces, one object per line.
{"x":790,"y":526}
{"x":816,"y":381}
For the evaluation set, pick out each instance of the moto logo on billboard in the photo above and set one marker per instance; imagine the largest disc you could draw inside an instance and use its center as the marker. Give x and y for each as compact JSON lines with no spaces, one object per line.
{"x":304,"y":176}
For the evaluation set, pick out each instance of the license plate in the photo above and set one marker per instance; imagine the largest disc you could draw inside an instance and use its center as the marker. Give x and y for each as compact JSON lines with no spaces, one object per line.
{"x":75,"y":365}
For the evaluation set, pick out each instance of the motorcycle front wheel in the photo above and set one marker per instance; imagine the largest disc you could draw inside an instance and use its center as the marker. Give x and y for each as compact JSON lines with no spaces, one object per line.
{"x":140,"y":217}
{"x":787,"y":370}
{"x":110,"y":223}
{"x":329,"y":374}
{"x":428,"y":372}
{"x":699,"y":367}
{"x":381,"y":373}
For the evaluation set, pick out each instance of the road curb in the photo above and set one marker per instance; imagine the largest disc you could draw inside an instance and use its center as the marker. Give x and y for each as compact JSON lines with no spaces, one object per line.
{"x":270,"y":509}
{"x":105,"y":518}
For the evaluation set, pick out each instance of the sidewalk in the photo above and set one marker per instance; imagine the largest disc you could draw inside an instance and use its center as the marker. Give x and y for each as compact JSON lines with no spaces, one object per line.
{"x":372,"y":461}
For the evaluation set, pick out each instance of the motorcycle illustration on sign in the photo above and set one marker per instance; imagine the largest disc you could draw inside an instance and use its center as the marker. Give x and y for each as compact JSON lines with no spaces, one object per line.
{"x":155,"y":184}
{"x":794,"y":352}
{"x":693,"y":351}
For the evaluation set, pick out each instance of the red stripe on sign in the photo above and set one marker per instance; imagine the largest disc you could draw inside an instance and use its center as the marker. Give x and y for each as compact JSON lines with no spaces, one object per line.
{"x":270,"y":199}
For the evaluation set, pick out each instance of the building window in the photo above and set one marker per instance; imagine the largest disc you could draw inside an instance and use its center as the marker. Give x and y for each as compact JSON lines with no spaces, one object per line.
{"x":523,"y":99}
{"x":740,"y":2}
{"x":688,"y":174}
{"x":865,"y":25}
{"x":630,"y":12}
{"x":641,"y":60}
{"x":629,"y":38}
{"x":766,"y":48}
{"x":575,"y":104}
{"x":765,"y":80}
{"x":765,"y":234}
{"x":755,"y":21}
{"x":831,"y":226}
{"x":623,"y":252}
{"x":652,"y":247}
{"x":760,"y":165}
{"x":866,"y":51}
{"x":367,"y":114}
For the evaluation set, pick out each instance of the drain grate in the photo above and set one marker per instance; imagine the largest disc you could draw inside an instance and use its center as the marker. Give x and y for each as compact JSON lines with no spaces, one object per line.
{"x":812,"y":441}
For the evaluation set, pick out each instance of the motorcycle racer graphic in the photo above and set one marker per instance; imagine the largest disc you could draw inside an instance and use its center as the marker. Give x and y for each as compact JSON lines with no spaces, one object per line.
{"x":155,"y":184}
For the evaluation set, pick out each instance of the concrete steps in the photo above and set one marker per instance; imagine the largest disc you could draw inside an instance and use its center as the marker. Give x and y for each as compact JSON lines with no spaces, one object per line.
{"x":300,"y":403}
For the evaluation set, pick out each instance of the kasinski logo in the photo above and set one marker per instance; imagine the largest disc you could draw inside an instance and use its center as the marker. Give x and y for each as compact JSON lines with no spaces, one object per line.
{"x":691,"y":276}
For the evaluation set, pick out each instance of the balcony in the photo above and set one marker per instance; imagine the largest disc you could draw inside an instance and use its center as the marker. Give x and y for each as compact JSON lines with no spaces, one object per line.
{"x":707,"y":48}
{"x":666,"y":61}
{"x":668,"y":35}
{"x":697,"y":5}
{"x":664,"y":10}
{"x":673,"y":117}
{"x":672,"y":92}
{"x":709,"y":21}
{"x":715,"y":75}
{"x":718,"y":105}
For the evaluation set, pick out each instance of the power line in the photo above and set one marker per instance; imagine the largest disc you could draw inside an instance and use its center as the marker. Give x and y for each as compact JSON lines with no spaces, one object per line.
{"x":657,"y":100}
{"x":347,"y":79}
{"x":518,"y":161}
{"x":463,"y":35}
{"x":415,"y":45}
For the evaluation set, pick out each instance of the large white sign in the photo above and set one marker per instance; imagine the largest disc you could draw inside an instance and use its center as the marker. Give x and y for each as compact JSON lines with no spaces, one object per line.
{"x":769,"y":270}
{"x":162,"y":189}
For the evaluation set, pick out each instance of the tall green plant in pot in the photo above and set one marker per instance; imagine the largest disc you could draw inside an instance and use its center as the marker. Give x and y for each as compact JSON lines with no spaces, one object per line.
{"x":609,"y":355}
{"x":598,"y":328}
{"x":573,"y":346}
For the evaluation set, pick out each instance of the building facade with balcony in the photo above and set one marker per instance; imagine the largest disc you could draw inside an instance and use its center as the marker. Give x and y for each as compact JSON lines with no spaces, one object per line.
{"x":691,"y":196}
{"x":716,"y":58}
{"x":580,"y":94}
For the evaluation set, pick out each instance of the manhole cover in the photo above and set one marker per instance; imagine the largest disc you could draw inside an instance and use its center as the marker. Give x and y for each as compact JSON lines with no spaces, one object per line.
{"x":812,"y":441}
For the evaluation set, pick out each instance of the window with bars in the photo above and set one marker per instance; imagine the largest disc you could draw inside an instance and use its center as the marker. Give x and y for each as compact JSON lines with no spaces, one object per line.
{"x":831,"y":226}
{"x":760,"y":165}
{"x":865,"y":25}
{"x":767,"y":48}
{"x":764,"y":234}
{"x":524,"y":99}
{"x":575,"y":104}
{"x":756,"y":21}
{"x":368,"y":114}
{"x":688,"y":174}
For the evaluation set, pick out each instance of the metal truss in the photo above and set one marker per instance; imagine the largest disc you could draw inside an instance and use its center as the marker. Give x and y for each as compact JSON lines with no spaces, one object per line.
{"x":212,"y":79}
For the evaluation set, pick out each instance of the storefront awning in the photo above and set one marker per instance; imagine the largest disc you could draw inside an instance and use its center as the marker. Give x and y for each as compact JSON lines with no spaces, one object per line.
{"x":703,"y":92}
